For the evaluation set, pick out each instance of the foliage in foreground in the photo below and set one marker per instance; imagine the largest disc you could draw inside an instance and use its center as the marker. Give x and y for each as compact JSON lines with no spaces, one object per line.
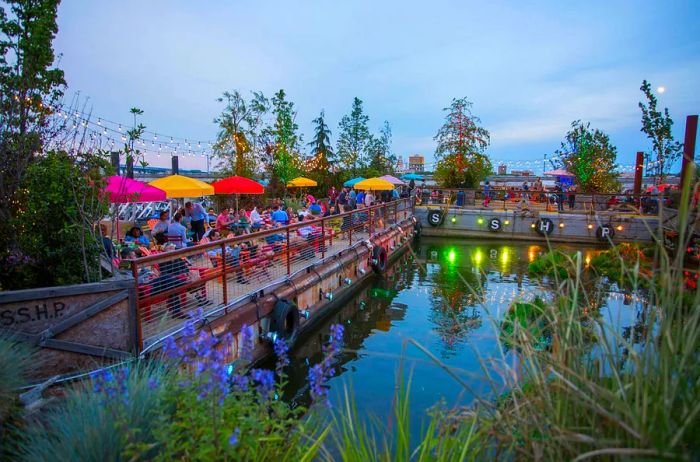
{"x":202,"y":410}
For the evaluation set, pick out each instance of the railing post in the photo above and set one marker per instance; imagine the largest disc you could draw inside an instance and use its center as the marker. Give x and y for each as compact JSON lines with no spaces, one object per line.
{"x":396,"y":212}
{"x":350,"y":228}
{"x":223,"y":275}
{"x":323,"y":238}
{"x":289,"y":254}
{"x":139,"y":329}
{"x":369,"y":217}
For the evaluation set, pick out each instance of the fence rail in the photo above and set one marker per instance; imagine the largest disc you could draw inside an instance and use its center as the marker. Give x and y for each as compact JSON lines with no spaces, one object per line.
{"x":517,"y":199}
{"x":211,"y":276}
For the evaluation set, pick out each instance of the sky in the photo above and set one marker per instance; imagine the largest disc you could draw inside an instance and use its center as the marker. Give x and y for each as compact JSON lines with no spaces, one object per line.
{"x":529,"y":67}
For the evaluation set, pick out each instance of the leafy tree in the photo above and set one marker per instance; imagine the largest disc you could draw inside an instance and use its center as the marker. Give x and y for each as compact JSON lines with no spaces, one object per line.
{"x":461,"y":146}
{"x":354,"y":138}
{"x":657,"y":127}
{"x":285,"y":161}
{"x":30,"y":86}
{"x":133,"y":135}
{"x":588,"y":154}
{"x":321,"y":151}
{"x":60,"y":201}
{"x":381,"y":160}
{"x":240,"y":123}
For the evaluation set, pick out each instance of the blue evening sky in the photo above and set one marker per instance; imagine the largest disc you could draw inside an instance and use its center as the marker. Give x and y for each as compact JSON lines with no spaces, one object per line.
{"x":529,"y":67}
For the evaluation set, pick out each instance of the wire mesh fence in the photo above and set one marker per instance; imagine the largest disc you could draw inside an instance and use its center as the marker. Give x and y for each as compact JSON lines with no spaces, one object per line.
{"x":210,"y":276}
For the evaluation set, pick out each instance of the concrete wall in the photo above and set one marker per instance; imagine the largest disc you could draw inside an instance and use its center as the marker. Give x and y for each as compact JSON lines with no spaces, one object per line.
{"x":567,"y":227}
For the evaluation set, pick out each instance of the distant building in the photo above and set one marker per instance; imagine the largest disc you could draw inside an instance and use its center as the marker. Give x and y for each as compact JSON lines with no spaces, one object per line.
{"x":502,"y":169}
{"x":400,"y":167}
{"x":416,"y":163}
{"x":522,"y":172}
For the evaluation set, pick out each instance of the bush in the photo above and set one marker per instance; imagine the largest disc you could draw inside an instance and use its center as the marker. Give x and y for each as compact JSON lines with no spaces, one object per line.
{"x":51,"y":241}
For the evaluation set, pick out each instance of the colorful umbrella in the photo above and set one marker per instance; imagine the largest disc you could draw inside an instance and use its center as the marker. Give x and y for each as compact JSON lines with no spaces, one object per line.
{"x":558,"y":172}
{"x":412,"y":176}
{"x":301,"y":182}
{"x":122,"y":190}
{"x":374,"y":184}
{"x":176,"y":186}
{"x":237,"y":185}
{"x":662,"y":187}
{"x":353,"y":182}
{"x":393,"y":180}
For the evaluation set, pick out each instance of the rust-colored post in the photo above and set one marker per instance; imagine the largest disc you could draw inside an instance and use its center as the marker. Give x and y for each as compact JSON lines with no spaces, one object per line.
{"x":691,"y":130}
{"x":139,"y":330}
{"x":369,"y":217}
{"x":323,"y":238}
{"x":350,"y":228}
{"x":638,"y":176}
{"x":289,"y":255}
{"x":395,"y":204}
{"x":223,"y":275}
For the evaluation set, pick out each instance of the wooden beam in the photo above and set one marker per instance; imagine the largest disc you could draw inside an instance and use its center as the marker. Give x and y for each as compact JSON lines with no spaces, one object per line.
{"x":84,"y":314}
{"x":64,"y":291}
{"x":91,"y":350}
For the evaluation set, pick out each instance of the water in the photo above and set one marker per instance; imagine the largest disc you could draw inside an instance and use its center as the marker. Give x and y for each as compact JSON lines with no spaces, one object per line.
{"x":448,"y":296}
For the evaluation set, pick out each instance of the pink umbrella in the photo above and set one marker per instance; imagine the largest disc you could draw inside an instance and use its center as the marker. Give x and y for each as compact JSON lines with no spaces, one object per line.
{"x":122,"y":190}
{"x":393,"y":180}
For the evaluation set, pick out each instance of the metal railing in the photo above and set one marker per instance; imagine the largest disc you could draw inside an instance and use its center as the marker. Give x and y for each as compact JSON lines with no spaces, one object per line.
{"x":547,"y":200}
{"x":213,"y":275}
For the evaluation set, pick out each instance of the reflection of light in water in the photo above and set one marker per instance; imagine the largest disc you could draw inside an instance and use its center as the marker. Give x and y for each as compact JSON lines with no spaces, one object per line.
{"x":478,"y":256}
{"x":452,"y":256}
{"x":505,"y":256}
{"x":588,"y":259}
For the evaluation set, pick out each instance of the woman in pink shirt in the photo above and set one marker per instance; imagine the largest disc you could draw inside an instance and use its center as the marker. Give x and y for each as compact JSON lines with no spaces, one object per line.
{"x":222,"y":221}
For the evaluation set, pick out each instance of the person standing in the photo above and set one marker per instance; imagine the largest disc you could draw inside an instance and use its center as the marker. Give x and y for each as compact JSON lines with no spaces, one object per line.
{"x":198,"y":216}
{"x":572,"y":197}
{"x":332,"y":194}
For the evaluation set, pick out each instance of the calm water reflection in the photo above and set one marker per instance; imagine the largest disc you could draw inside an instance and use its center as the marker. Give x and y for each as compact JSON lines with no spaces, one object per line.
{"x":445,"y":295}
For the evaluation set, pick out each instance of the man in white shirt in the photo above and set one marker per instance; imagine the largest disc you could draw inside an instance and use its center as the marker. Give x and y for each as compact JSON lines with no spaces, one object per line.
{"x":369,"y":199}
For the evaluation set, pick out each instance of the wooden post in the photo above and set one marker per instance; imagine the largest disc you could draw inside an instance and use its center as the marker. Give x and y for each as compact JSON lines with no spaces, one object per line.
{"x":691,"y":130}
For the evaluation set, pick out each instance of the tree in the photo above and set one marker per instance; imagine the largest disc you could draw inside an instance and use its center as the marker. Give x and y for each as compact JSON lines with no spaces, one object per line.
{"x":657,"y":127}
{"x":461,"y":146}
{"x":588,"y":154}
{"x":30,"y":87}
{"x":381,"y":160}
{"x":321,"y":150}
{"x":239,"y":124}
{"x":285,"y":157}
{"x":354,"y":138}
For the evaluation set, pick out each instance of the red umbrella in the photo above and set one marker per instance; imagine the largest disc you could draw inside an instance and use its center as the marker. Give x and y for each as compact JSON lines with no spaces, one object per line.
{"x":237,"y":185}
{"x":662,"y":187}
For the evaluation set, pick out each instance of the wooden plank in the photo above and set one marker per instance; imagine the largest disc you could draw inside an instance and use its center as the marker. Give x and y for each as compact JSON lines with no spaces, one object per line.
{"x":81,"y":316}
{"x":63,"y":291}
{"x":91,"y":350}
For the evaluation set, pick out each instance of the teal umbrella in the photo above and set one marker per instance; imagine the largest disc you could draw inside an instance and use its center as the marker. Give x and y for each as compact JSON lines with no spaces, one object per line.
{"x":353,"y":182}
{"x":412,"y":176}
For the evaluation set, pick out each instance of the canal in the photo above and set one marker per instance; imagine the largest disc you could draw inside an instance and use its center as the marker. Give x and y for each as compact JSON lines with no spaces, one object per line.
{"x":449,"y":296}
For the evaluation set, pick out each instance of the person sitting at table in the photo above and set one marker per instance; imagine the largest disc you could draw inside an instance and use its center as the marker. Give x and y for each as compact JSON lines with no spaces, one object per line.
{"x":160,"y":229}
{"x":136,"y":236}
{"x":255,"y":219}
{"x":211,"y":216}
{"x":175,"y":230}
{"x":106,"y":242}
{"x":222,"y":220}
{"x":279,"y":216}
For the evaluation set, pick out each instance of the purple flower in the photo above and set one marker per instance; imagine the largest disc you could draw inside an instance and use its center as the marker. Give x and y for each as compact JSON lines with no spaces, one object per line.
{"x":320,"y":373}
{"x":240,"y":383}
{"x":247,"y":343}
{"x":233,"y":439}
{"x":153,"y":383}
{"x":265,"y":381}
{"x":281,"y":350}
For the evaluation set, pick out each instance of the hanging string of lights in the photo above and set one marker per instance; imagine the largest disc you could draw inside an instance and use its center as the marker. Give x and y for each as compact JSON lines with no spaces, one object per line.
{"x":108,"y":134}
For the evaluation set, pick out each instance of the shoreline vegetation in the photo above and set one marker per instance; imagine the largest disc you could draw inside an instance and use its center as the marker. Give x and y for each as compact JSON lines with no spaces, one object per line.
{"x":579,"y":390}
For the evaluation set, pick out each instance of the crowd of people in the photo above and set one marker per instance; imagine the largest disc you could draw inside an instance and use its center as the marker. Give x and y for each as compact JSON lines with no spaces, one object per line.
{"x":193,"y":224}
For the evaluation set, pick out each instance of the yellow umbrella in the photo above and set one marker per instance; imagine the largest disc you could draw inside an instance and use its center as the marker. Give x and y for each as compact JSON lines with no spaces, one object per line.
{"x":374,"y":184}
{"x":182,"y":186}
{"x":301,"y":182}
